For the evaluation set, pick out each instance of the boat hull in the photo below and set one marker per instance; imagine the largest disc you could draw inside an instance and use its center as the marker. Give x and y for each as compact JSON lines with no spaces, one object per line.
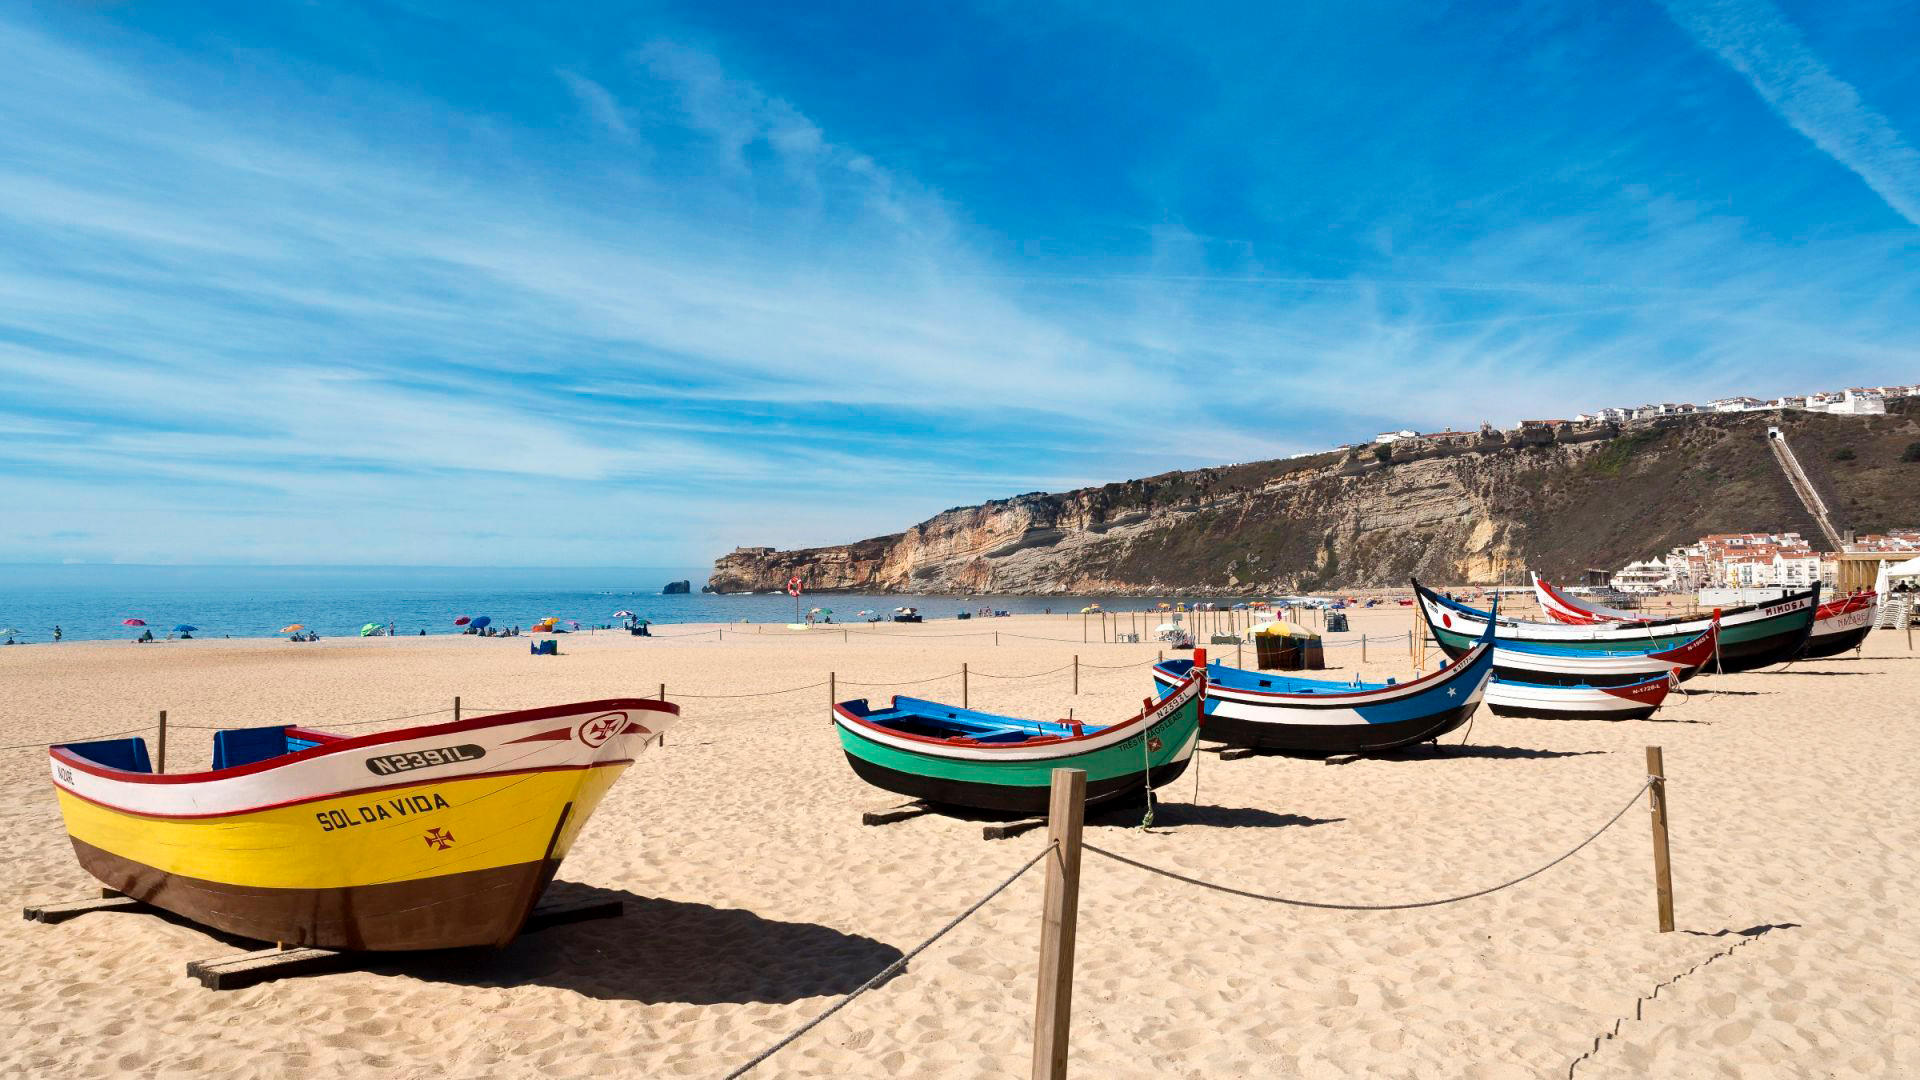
{"x":1548,"y":702}
{"x":405,"y":845}
{"x":1556,"y":665}
{"x":1120,"y":761}
{"x":1751,"y":637}
{"x":1841,"y":626}
{"x":1338,"y":722}
{"x":477,"y":907}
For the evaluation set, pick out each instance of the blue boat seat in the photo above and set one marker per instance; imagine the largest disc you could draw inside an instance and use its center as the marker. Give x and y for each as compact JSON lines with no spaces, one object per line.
{"x":244,"y":746}
{"x":127,"y":755}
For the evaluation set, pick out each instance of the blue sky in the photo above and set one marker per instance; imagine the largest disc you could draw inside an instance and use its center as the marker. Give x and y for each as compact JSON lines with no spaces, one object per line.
{"x":460,"y":284}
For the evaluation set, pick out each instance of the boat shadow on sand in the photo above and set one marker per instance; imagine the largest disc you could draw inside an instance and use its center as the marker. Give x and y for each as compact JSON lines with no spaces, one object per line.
{"x":662,"y":951}
{"x":1422,"y":752}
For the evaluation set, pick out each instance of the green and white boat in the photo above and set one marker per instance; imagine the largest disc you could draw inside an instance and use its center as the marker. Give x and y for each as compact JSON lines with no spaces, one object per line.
{"x":960,"y":757}
{"x":1750,"y":637}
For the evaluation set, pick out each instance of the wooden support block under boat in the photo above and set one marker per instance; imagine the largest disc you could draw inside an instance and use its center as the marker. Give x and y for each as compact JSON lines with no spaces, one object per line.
{"x":246,"y":969}
{"x":1011,"y":829}
{"x":64,"y":910}
{"x":891,"y":814}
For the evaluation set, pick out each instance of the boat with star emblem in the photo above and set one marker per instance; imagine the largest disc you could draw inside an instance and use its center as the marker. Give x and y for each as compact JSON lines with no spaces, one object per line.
{"x":980,"y":761}
{"x":1266,"y":710}
{"x":429,"y":837}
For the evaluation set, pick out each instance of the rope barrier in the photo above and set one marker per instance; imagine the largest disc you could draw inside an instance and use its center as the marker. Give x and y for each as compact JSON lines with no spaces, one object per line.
{"x":83,"y":738}
{"x":902,"y":682}
{"x":763,"y":693}
{"x":890,"y":970}
{"x":1323,"y":905}
{"x":1035,"y":675}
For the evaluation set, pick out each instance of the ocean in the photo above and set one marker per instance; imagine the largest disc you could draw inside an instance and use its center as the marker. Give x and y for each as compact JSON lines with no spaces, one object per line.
{"x":90,"y":602}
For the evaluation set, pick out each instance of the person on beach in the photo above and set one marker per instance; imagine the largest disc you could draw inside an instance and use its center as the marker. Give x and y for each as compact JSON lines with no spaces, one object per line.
{"x":56,"y":633}
{"x":146,"y":637}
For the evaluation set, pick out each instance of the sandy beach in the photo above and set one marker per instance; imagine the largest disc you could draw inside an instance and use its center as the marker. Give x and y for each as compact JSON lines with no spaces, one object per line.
{"x":755,"y":896}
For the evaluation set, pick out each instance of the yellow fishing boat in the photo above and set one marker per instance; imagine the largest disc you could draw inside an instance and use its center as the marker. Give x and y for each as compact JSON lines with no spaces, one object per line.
{"x":425,"y":838}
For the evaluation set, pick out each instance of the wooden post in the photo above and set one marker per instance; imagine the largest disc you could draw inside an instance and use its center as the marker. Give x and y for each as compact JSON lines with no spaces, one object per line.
{"x":996,"y":639}
{"x":830,"y":694}
{"x":162,"y":767}
{"x":663,"y":691}
{"x":844,"y":638}
{"x":963,"y":686}
{"x":720,"y":635}
{"x":1662,"y":867}
{"x":1076,"y":673}
{"x":456,"y":708}
{"x":1363,"y":648}
{"x":1060,"y":917}
{"x":1240,"y":654}
{"x":1083,"y":628}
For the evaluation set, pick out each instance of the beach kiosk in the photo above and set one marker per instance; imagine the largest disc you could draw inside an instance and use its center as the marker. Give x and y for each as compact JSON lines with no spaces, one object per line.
{"x":1285,"y":646}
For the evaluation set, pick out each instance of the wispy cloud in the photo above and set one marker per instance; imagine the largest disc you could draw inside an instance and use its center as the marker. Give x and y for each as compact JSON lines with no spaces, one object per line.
{"x":660,"y":305}
{"x":1756,"y":39}
{"x":597,"y":103}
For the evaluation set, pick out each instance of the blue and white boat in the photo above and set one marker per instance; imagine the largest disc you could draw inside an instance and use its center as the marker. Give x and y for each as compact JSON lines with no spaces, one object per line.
{"x":1285,"y":712}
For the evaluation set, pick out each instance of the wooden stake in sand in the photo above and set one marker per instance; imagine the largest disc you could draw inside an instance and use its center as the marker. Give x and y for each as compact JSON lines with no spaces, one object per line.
{"x":663,"y":691}
{"x":831,"y":695}
{"x":162,"y":742}
{"x":963,"y":685}
{"x":1060,"y":916}
{"x":456,"y":708}
{"x":1662,"y":867}
{"x":1363,"y":648}
{"x":1076,"y":673}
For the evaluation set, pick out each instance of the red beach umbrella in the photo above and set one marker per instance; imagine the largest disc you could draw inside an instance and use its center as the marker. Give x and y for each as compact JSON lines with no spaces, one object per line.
{"x":133,"y":622}
{"x":462,"y":621}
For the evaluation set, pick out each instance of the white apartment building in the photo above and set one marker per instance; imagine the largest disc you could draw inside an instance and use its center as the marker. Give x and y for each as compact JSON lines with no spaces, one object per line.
{"x":1645,"y":576}
{"x":1859,"y":402}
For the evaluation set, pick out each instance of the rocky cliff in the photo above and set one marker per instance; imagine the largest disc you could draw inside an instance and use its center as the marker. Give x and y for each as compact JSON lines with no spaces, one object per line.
{"x":1479,"y":511}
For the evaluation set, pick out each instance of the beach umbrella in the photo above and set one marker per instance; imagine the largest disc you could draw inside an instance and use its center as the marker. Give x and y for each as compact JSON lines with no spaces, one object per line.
{"x":9,"y":632}
{"x":575,"y":623}
{"x":482,"y":621}
{"x":623,"y":614}
{"x":461,"y":620}
{"x":133,"y":622}
{"x":295,"y":628}
{"x":183,"y":628}
{"x":371,"y":629}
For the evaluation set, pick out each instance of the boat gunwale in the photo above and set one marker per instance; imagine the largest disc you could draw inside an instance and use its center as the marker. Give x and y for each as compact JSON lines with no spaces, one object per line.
{"x":323,"y":796}
{"x":1166,"y":704}
{"x":62,"y":754}
{"x":1425,"y":594}
{"x":1398,"y":690}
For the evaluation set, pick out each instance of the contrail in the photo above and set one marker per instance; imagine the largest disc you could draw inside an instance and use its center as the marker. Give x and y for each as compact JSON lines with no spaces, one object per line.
{"x":1755,"y":39}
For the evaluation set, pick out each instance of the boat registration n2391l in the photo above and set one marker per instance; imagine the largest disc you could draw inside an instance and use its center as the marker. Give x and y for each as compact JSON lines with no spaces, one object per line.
{"x":389,"y":764}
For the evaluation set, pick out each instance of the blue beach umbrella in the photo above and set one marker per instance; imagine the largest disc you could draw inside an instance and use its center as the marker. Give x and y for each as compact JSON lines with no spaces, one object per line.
{"x":183,"y":628}
{"x":482,"y":622}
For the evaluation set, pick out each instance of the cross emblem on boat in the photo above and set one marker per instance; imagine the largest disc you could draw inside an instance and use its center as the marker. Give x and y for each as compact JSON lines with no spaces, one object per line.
{"x":601,"y":728}
{"x":438,"y":839}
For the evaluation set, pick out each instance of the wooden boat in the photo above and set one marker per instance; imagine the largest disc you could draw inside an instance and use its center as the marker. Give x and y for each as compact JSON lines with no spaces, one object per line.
{"x":1750,"y":637}
{"x":1560,"y":702}
{"x":1841,"y":625}
{"x":1282,"y":712}
{"x":1539,"y":662}
{"x":429,"y":837}
{"x":961,"y":757}
{"x":1563,"y":608}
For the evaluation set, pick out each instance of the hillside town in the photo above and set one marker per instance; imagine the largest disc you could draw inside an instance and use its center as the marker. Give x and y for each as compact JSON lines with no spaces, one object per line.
{"x":1853,"y":401}
{"x":1756,"y":560}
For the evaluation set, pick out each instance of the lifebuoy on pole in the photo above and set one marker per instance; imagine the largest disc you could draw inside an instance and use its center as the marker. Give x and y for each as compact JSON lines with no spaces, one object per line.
{"x":793,"y":585}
